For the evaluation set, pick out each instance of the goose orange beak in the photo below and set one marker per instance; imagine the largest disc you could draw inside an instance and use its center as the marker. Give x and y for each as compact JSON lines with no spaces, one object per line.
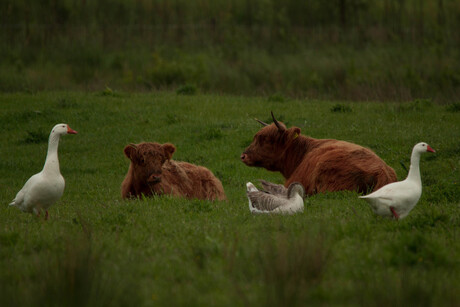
{"x":70,"y":130}
{"x":428,"y":148}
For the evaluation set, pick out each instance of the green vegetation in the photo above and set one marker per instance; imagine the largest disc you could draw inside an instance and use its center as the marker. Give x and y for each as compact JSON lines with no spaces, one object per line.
{"x":98,"y":250}
{"x":369,"y":50}
{"x":187,"y":89}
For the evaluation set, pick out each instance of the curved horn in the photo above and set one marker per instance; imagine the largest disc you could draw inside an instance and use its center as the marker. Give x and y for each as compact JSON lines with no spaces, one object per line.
{"x":260,"y":122}
{"x":133,"y":145}
{"x":277,"y":123}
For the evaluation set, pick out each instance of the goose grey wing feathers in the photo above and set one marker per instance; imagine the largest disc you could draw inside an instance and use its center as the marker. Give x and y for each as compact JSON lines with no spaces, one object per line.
{"x":265,"y":202}
{"x":273,"y":188}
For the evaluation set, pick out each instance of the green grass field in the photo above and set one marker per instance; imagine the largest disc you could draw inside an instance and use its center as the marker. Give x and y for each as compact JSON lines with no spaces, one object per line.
{"x":98,"y":250}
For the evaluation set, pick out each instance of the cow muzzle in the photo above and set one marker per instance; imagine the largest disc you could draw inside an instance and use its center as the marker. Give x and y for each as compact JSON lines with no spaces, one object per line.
{"x":246,"y":159}
{"x":154,"y":178}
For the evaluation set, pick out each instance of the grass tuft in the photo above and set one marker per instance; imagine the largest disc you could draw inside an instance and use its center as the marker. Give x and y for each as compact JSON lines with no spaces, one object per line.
{"x":418,"y":105}
{"x":197,"y":206}
{"x":277,"y":97}
{"x":66,"y":103}
{"x":291,"y":268}
{"x":453,"y":107}
{"x":109,"y":92}
{"x":416,"y":250}
{"x":36,"y":137}
{"x":188,"y":89}
{"x":172,"y":119}
{"x":211,"y":133}
{"x":9,"y":239}
{"x":341,"y":108}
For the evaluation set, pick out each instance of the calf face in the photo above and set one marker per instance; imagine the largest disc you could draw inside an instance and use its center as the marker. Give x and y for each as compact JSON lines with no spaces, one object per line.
{"x":268,"y":145}
{"x":147,"y":160}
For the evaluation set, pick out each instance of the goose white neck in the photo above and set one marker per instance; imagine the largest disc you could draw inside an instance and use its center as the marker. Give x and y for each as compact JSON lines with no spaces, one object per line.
{"x":414,"y":170}
{"x":52,"y":161}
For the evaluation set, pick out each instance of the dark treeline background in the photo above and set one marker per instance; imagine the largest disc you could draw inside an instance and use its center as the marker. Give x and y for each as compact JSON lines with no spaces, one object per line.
{"x":341,"y":49}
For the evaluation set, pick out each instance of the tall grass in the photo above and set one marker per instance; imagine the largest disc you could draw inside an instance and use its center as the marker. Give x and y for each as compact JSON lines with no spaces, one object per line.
{"x":353,"y":50}
{"x":292,"y":268}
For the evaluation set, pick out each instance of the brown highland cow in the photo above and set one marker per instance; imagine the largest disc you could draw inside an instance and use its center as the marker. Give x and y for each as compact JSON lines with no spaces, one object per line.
{"x":318,"y":164}
{"x":152,"y":171}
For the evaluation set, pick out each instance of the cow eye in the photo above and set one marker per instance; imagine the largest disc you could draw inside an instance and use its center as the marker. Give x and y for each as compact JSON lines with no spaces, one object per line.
{"x":261,"y":140}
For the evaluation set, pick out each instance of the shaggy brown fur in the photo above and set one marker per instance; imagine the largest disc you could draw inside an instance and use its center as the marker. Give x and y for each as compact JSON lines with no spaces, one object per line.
{"x":152,"y":171}
{"x":318,"y":164}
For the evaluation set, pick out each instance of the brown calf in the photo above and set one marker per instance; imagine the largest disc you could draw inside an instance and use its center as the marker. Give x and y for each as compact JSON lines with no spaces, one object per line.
{"x":152,"y":171}
{"x":319,"y":164}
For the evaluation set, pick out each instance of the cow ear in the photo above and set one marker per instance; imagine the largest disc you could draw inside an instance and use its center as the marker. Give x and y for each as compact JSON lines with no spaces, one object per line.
{"x":169,"y":150}
{"x":294,"y":133}
{"x":130,"y":150}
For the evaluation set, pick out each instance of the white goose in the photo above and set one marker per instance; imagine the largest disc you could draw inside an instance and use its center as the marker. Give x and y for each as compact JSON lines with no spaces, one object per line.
{"x":265,"y":202}
{"x":45,"y":188}
{"x":397,"y":199}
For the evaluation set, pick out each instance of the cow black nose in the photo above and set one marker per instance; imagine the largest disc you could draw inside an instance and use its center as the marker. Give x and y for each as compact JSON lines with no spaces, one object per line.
{"x":154,"y":178}
{"x":243,"y":157}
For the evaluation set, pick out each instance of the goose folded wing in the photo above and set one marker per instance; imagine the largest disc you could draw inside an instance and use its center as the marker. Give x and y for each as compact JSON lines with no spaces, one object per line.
{"x":265,"y":202}
{"x":396,"y":192}
{"x":19,"y":199}
{"x":273,"y":188}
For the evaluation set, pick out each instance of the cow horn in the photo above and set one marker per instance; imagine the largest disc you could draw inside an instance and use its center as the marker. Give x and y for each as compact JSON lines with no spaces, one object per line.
{"x":260,"y":122}
{"x":133,"y":145}
{"x":277,"y":123}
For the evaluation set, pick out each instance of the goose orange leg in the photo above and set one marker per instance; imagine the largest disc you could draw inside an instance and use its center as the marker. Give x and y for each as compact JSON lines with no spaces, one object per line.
{"x":394,"y":213}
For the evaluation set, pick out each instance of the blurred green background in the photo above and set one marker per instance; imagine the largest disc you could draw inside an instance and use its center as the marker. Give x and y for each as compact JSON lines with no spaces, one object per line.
{"x":383,"y":50}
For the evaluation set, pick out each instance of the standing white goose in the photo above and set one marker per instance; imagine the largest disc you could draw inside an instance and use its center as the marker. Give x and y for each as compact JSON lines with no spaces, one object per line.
{"x":397,"y":199}
{"x":263,"y":202}
{"x":45,"y":188}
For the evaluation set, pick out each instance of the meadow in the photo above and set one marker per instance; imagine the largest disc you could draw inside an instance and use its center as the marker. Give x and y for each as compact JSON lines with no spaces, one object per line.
{"x":99,"y":250}
{"x":373,"y":50}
